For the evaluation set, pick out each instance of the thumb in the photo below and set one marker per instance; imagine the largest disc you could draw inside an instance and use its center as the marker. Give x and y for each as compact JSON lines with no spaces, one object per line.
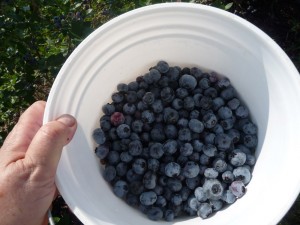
{"x":45,"y":149}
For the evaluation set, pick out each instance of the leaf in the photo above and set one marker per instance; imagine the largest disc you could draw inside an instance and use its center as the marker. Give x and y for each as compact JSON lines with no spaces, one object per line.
{"x":228,"y":6}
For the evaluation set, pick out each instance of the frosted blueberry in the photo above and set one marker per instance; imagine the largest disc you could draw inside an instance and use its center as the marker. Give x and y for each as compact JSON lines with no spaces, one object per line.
{"x":205,"y":210}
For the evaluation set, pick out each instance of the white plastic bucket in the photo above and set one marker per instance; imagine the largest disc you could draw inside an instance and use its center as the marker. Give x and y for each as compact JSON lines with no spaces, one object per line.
{"x":185,"y":35}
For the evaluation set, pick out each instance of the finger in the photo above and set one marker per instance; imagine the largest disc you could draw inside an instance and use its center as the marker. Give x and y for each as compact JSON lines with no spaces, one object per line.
{"x":24,"y":131}
{"x":45,"y":148}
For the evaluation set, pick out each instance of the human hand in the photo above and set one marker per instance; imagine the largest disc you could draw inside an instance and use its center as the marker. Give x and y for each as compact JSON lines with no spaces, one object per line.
{"x":28,"y":163}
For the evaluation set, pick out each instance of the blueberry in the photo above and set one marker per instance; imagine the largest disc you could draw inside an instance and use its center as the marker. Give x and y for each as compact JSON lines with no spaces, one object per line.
{"x":197,"y":99}
{"x":209,"y":150}
{"x":228,"y":197}
{"x":250,"y":141}
{"x":223,"y":141}
{"x":186,"y":149}
{"x":170,"y":115}
{"x":153,"y":164}
{"x":139,"y":166}
{"x":137,"y":126}
{"x":188,"y":82}
{"x":131,"y":97}
{"x":132,"y":200}
{"x":200,"y":194}
{"x":148,"y":79}
{"x":113,"y":157}
{"x":172,"y":169}
{"x":163,"y":82}
{"x":109,"y":173}
{"x":173,"y":73}
{"x":237,"y":188}
{"x":122,"y":87}
{"x":242,"y":111}
{"x":157,"y":133}
{"x":136,"y":187}
{"x":185,"y":192}
{"x":249,"y":128}
{"x":161,"y":201}
{"x":205,"y":102}
{"x":196,"y":125}
{"x":194,"y":114}
{"x":174,"y":184}
{"x":181,"y":93}
{"x":120,"y":188}
{"x":126,"y":157}
{"x":177,"y":103}
{"x":129,"y":108}
{"x":196,"y":72}
{"x":216,"y":205}
{"x":170,"y":147}
{"x":149,"y":180}
{"x":211,"y":173}
{"x":184,"y":134}
{"x":176,"y":199}
{"x":234,"y":103}
{"x":204,"y":159}
{"x":167,"y":94}
{"x":234,"y":134}
{"x":237,"y":158}
{"x":213,"y":188}
{"x":217,"y":103}
{"x":224,"y":82}
{"x":170,"y":131}
{"x":192,"y":183}
{"x":148,"y":116}
{"x":117,"y":97}
{"x":225,"y":112}
{"x":148,"y":198}
{"x":102,"y":151}
{"x":219,"y":165}
{"x":135,"y":148}
{"x":99,"y":136}
{"x":209,"y":138}
{"x":155,"y":213}
{"x":105,"y":123}
{"x":121,"y":169}
{"x":156,"y":150}
{"x":227,"y":124}
{"x":250,"y":159}
{"x":162,"y":66}
{"x":155,"y":74}
{"x":209,"y":120}
{"x":228,"y":93}
{"x":182,"y":122}
{"x":108,"y":109}
{"x":188,"y":103}
{"x":243,"y":174}
{"x":193,"y":203}
{"x":148,"y":98}
{"x":169,"y":215}
{"x":197,"y":145}
{"x":211,"y":92}
{"x":204,"y":83}
{"x":157,"y":106}
{"x":205,"y":210}
{"x":190,"y":169}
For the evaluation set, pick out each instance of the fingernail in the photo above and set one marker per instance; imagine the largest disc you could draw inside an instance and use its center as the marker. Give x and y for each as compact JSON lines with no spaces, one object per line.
{"x":68,"y":120}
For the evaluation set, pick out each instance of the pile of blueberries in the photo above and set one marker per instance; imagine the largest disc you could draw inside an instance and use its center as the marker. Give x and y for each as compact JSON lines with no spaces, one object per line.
{"x":177,"y":142}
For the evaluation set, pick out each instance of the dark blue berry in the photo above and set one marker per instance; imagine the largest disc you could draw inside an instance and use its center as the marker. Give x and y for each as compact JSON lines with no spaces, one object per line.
{"x":122,"y":88}
{"x":139,"y":166}
{"x":108,"y":109}
{"x":156,"y":150}
{"x":153,"y":164}
{"x":176,"y":199}
{"x":123,"y":131}
{"x":209,"y":150}
{"x":184,"y":134}
{"x":188,"y":82}
{"x":250,"y":141}
{"x":233,"y":104}
{"x":172,"y":169}
{"x":99,"y":136}
{"x":121,"y":169}
{"x":126,"y":157}
{"x":174,"y":184}
{"x":109,"y":173}
{"x":177,"y":103}
{"x":117,"y":97}
{"x":102,"y":151}
{"x":169,"y":215}
{"x":243,"y":174}
{"x":224,"y":112}
{"x":205,"y":102}
{"x":188,"y":103}
{"x":204,"y":83}
{"x":162,"y":66}
{"x":155,"y":213}
{"x":182,"y":93}
{"x":148,"y":116}
{"x":211,"y":173}
{"x":133,"y":86}
{"x":205,"y":210}
{"x":228,"y":93}
{"x":190,"y":169}
{"x":135,"y":148}
{"x":223,"y":141}
{"x":157,"y":106}
{"x":219,"y":165}
{"x":137,"y":126}
{"x":171,"y":116}
{"x":170,"y":131}
{"x":224,"y":82}
{"x":196,"y":125}
{"x":120,"y":188}
{"x":217,"y":103}
{"x":167,"y":94}
{"x":200,"y":194}
{"x":170,"y":147}
{"x":228,"y":177}
{"x":129,"y":108}
{"x":186,"y":149}
{"x":213,"y":188}
{"x":249,"y":128}
{"x":173,"y":73}
{"x":149,"y":180}
{"x":148,"y":98}
{"x":148,"y":198}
